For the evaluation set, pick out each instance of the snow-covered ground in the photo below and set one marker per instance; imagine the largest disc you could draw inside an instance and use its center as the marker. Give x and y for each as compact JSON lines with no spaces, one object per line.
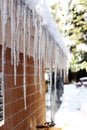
{"x":72,"y":114}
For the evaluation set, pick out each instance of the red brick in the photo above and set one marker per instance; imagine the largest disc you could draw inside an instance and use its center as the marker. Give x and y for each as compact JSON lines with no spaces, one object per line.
{"x":15,"y":115}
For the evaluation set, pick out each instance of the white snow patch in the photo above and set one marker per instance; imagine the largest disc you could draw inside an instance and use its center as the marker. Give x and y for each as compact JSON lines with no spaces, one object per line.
{"x":72,"y":114}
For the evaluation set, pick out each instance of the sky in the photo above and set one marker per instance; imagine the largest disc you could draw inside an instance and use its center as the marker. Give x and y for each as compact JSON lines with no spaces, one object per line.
{"x":51,"y":2}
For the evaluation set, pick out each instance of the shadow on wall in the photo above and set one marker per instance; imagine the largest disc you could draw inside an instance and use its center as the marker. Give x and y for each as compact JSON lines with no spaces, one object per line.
{"x":56,"y":92}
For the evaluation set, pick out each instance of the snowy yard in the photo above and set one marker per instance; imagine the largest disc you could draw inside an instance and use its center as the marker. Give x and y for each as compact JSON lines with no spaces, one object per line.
{"x":72,"y":114}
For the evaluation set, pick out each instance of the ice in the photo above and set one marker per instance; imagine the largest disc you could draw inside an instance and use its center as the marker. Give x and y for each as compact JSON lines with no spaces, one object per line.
{"x":3,"y":19}
{"x":18,"y":30}
{"x":23,"y":16}
{"x":35,"y":54}
{"x":29,"y":33}
{"x":56,"y":63}
{"x":12,"y":31}
{"x":13,"y":40}
{"x":40,"y":54}
{"x":47,"y":49}
{"x":43,"y":46}
{"x":24,"y":56}
{"x":15,"y":63}
{"x":33,"y":16}
{"x":3,"y":22}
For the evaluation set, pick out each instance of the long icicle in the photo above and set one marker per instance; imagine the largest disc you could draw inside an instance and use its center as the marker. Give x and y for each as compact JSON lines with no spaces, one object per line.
{"x":24,"y":22}
{"x":47,"y":48}
{"x":29,"y":33}
{"x":12,"y":32}
{"x":15,"y":64}
{"x":14,"y":46}
{"x":43,"y":46}
{"x":40,"y":55}
{"x":4,"y":21}
{"x":35,"y":53}
{"x":18,"y":30}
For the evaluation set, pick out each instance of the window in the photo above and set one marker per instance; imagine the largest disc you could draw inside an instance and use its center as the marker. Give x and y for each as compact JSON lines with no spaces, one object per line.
{"x":1,"y":102}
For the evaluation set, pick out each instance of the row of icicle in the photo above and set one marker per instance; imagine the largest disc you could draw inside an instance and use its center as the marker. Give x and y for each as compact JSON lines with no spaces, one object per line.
{"x":22,"y":18}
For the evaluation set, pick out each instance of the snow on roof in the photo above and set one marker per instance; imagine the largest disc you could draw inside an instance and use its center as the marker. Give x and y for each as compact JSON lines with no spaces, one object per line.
{"x":42,"y":9}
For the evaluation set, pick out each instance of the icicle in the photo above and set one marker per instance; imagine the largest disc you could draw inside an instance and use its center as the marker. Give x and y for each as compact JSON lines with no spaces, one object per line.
{"x":50,"y":72}
{"x":49,"y":52}
{"x":40,"y":78}
{"x":40,"y":67}
{"x":24,"y":47}
{"x":50,"y":60}
{"x":52,"y":86}
{"x":13,"y":40}
{"x":47,"y":48}
{"x":35,"y":55}
{"x":15,"y":65}
{"x":43,"y":46}
{"x":54,"y":75}
{"x":29,"y":33}
{"x":40,"y":55}
{"x":18,"y":47}
{"x":62,"y":62}
{"x":4,"y":21}
{"x":33,"y":16}
{"x":9,"y":8}
{"x":4,"y":11}
{"x":12,"y":31}
{"x":21,"y":22}
{"x":18,"y":30}
{"x":52,"y":53}
{"x":56,"y":63}
{"x":0,"y":5}
{"x":15,"y":56}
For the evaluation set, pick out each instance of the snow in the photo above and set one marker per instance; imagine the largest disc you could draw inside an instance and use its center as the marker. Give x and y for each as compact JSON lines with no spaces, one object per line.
{"x":72,"y":114}
{"x":82,"y":47}
{"x":85,"y":82}
{"x":51,"y":2}
{"x":42,"y":10}
{"x":83,"y":78}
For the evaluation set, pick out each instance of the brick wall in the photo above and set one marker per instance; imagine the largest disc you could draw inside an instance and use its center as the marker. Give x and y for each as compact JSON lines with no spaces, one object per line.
{"x":16,"y":117}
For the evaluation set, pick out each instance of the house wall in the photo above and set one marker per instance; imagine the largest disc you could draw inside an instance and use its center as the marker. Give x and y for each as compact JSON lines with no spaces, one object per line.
{"x":16,"y":117}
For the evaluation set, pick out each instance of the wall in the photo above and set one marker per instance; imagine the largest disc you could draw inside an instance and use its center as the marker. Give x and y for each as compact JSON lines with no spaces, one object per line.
{"x":16,"y":117}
